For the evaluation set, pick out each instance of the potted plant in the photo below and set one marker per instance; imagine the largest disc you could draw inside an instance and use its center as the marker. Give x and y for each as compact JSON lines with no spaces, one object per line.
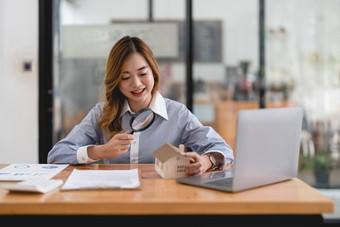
{"x":322,"y":163}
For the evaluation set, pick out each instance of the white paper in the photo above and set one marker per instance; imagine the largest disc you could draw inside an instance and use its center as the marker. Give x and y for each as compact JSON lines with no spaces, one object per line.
{"x":20,"y":172}
{"x":102,"y":179}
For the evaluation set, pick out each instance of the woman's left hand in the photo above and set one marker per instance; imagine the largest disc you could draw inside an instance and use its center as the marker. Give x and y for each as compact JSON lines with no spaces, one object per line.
{"x":198,"y":164}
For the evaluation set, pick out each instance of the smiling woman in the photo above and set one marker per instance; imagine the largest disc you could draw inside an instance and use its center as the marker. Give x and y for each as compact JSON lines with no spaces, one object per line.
{"x":137,"y":82}
{"x":123,"y":79}
{"x":131,"y":84}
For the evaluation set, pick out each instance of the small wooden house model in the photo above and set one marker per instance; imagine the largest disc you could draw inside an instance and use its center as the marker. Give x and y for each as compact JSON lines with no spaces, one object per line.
{"x":170,"y":161}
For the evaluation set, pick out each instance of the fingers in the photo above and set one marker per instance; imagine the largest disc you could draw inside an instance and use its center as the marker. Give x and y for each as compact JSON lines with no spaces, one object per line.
{"x":124,"y":147}
{"x":196,"y":164}
{"x":194,"y":157}
{"x":120,"y":143}
{"x":125,"y":136}
{"x":194,"y":168}
{"x":123,"y":139}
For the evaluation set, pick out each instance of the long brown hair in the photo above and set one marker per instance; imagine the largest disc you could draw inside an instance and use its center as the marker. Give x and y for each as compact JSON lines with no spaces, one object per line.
{"x":110,"y":123}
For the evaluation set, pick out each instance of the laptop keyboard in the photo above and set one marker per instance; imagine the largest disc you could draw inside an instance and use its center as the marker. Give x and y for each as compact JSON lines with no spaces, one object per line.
{"x":225,"y":182}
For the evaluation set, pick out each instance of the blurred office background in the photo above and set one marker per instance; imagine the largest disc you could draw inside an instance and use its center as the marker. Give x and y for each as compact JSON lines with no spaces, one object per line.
{"x":301,"y":50}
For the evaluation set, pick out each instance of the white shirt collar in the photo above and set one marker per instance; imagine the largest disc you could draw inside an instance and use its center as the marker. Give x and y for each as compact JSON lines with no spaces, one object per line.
{"x":157,"y":105}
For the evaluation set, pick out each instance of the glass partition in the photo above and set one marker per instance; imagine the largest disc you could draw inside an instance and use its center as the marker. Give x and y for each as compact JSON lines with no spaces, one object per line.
{"x":86,"y":32}
{"x":303,"y":67}
{"x":225,"y":62}
{"x":302,"y":49}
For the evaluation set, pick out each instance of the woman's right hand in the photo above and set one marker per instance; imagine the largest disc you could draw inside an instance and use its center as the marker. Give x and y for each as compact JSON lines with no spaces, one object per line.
{"x":118,"y":145}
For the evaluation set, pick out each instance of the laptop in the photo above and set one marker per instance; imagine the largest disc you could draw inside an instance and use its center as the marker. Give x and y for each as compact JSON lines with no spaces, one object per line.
{"x":266,"y":151}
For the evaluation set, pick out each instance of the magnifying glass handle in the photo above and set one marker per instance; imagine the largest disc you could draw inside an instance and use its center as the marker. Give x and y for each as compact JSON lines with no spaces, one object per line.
{"x":132,"y":131}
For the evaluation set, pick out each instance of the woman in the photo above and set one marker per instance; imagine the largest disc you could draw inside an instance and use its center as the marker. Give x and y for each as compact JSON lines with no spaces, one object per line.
{"x":131,"y":84}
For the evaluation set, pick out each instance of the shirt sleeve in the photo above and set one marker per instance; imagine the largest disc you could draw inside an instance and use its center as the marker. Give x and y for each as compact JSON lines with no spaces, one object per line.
{"x":84,"y":134}
{"x":225,"y":161}
{"x":201,"y":139}
{"x":83,"y":157}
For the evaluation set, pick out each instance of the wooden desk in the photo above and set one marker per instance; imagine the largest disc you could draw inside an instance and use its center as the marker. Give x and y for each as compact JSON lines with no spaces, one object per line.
{"x":158,"y":196}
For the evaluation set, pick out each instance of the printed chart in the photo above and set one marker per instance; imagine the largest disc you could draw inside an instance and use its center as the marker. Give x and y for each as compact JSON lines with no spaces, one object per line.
{"x":20,"y":172}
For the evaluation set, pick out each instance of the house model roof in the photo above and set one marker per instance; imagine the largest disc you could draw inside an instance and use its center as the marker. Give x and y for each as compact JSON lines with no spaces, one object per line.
{"x":167,"y":151}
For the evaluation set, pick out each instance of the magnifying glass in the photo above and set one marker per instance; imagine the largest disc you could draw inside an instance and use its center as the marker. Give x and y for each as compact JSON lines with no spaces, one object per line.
{"x":142,"y":120}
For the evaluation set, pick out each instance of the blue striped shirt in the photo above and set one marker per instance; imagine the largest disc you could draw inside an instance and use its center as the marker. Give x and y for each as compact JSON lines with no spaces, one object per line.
{"x":173,"y":123}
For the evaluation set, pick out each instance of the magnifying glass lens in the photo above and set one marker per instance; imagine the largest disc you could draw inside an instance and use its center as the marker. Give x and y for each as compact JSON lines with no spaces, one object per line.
{"x":142,"y":120}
